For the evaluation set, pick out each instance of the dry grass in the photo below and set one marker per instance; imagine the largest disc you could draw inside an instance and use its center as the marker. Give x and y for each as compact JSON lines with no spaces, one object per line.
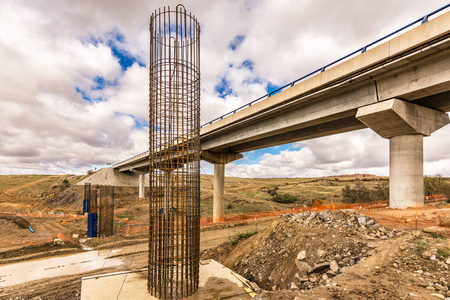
{"x":243,"y":195}
{"x":443,"y":220}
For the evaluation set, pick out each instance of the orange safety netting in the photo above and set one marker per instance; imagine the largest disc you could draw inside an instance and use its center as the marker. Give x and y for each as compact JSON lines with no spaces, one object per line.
{"x":433,"y":217}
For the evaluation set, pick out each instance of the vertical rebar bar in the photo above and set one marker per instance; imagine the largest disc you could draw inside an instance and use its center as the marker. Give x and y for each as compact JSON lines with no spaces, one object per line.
{"x":174,"y":237}
{"x":106,"y":211}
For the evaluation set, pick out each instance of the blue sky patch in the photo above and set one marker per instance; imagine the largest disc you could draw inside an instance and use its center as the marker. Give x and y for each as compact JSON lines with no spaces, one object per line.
{"x":254,"y":157}
{"x":125,"y":58}
{"x":138,"y":123}
{"x":248,"y":64}
{"x":223,"y":88}
{"x":100,"y":83}
{"x":83,"y":94}
{"x":236,"y":42}
{"x":117,"y":35}
{"x":115,"y":41}
{"x":272,"y":87}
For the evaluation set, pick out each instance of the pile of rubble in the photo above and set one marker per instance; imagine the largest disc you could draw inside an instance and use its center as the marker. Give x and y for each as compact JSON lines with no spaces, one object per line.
{"x":301,"y":251}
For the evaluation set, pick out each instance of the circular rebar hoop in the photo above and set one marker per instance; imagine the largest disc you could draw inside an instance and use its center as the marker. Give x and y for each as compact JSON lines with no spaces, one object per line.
{"x":174,"y":237}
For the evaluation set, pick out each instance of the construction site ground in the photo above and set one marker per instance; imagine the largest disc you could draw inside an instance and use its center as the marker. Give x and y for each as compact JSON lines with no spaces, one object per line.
{"x":405,"y":256}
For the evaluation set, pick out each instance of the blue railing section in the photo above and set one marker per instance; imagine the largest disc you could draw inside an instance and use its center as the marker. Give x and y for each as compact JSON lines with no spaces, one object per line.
{"x":423,"y":20}
{"x":131,"y":158}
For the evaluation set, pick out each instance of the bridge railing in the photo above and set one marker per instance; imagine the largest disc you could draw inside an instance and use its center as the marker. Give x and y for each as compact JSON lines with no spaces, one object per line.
{"x":422,"y":20}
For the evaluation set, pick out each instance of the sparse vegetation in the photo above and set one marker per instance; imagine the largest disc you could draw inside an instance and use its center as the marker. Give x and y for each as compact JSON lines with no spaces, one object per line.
{"x":234,"y":240}
{"x":285,"y":198}
{"x":443,"y":220}
{"x":361,"y":193}
{"x":272,"y":191}
{"x":435,"y":185}
{"x":421,"y":246}
{"x":444,"y":252}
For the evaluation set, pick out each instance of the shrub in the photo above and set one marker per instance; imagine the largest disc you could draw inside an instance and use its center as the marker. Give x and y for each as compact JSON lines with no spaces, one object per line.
{"x":444,"y":252}
{"x":272,"y":191}
{"x":285,"y":198}
{"x":361,"y":193}
{"x":443,"y":220}
{"x":242,"y":236}
{"x":434,"y":185}
{"x":63,"y":185}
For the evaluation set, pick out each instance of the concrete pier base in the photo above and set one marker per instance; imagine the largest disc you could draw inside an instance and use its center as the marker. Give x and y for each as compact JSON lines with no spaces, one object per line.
{"x":218,"y":200}
{"x":216,"y":282}
{"x":406,"y":171}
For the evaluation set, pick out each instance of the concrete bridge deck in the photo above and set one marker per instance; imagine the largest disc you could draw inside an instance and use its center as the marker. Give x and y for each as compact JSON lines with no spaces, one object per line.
{"x":412,"y":68}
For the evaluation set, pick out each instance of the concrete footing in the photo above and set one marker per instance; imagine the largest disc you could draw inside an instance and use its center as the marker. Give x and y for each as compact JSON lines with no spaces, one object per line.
{"x":216,"y":282}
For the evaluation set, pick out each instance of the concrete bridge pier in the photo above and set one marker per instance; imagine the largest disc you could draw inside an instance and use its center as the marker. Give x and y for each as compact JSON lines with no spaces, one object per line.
{"x":404,"y":124}
{"x":141,"y":186}
{"x":218,"y":190}
{"x":219,"y":160}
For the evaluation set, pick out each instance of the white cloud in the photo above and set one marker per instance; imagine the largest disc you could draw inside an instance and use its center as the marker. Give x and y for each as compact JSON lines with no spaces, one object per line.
{"x":362,"y":151}
{"x":46,"y":52}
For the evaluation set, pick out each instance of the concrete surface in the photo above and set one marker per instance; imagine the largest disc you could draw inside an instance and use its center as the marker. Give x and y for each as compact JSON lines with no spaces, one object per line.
{"x":404,"y":124}
{"x":216,"y":281}
{"x":412,"y":66}
{"x":218,"y":191}
{"x":142,"y":186}
{"x":395,"y":117}
{"x":406,"y":171}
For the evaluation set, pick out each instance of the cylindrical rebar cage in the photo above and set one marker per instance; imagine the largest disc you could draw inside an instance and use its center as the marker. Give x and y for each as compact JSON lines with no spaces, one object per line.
{"x":174,"y":237}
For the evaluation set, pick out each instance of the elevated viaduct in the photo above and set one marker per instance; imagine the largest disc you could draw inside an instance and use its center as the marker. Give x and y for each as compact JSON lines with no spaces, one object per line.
{"x":399,"y":88}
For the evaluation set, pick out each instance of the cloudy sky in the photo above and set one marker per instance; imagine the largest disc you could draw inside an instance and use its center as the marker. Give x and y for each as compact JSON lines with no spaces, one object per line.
{"x":74,"y":79}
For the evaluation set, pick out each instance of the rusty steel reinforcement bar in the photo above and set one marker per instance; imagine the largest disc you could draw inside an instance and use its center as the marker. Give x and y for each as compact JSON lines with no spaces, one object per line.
{"x":174,"y":214}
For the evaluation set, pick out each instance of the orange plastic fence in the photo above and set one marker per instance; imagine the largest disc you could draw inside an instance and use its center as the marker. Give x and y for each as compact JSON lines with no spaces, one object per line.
{"x":410,"y":218}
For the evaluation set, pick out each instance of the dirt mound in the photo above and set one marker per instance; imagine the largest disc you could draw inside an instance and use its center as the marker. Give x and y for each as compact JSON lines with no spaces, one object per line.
{"x":298,"y":250}
{"x":109,"y":176}
{"x":338,"y":255}
{"x":69,"y":198}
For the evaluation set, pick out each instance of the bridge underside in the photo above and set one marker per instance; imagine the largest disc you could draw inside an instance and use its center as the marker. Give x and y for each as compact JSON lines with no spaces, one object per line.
{"x":422,"y":78}
{"x":411,"y":72}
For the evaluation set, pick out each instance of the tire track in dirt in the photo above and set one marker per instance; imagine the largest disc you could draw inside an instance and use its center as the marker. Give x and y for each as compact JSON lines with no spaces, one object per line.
{"x":16,"y":188}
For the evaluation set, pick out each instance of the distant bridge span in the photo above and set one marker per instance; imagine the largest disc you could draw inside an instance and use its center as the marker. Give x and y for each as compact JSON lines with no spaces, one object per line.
{"x":399,"y":88}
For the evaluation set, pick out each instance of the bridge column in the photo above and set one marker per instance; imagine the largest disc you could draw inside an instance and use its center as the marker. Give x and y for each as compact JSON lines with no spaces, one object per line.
{"x":218,"y":190}
{"x":219,"y":160}
{"x":141,"y":186}
{"x":404,"y":124}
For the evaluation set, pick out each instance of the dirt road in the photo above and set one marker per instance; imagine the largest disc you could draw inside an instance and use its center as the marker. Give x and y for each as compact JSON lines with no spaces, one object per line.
{"x":57,"y":280}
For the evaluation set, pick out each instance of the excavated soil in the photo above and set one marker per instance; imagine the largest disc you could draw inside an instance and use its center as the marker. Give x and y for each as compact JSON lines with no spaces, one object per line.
{"x":340,"y":255}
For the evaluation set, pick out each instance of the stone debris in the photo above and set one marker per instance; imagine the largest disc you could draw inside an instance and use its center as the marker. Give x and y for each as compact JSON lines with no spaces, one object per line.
{"x":307,"y":249}
{"x":298,"y":253}
{"x":58,"y":242}
{"x":301,"y":255}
